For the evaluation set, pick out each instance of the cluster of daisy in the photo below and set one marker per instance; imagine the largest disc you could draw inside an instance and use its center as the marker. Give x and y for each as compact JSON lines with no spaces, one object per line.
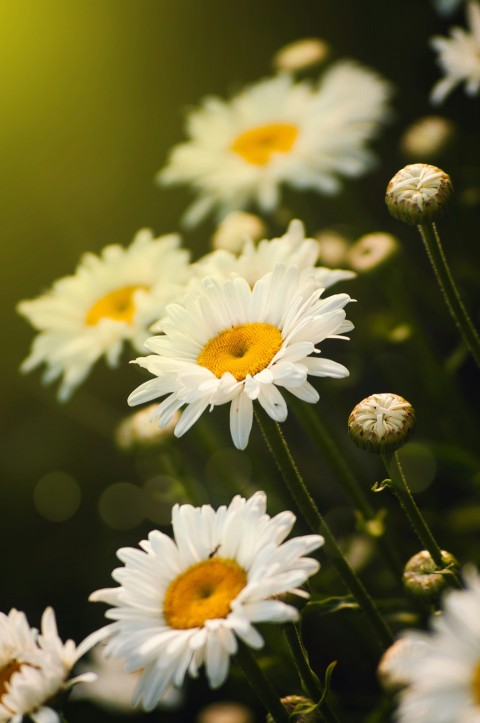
{"x":242,"y":326}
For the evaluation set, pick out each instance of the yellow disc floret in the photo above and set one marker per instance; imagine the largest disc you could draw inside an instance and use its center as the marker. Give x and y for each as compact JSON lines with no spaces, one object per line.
{"x":241,"y":350}
{"x":258,"y":144}
{"x":118,"y":305}
{"x":204,"y":591}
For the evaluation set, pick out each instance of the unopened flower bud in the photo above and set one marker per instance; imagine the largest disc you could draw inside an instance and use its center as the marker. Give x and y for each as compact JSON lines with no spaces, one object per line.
{"x":300,"y":54}
{"x":423,"y":580}
{"x":418,"y":193}
{"x":298,"y":702}
{"x":381,"y":422}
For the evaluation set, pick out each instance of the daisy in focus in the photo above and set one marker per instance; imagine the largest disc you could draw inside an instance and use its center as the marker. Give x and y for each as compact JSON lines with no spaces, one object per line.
{"x":230,"y":343}
{"x":278,"y":131}
{"x":254,"y":261}
{"x":459,"y":57}
{"x":440,"y":670}
{"x":111,"y":299}
{"x":184,"y":603}
{"x":35,"y":668}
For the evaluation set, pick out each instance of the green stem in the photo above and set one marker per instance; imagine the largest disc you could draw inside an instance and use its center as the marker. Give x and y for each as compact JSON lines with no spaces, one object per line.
{"x":310,"y":681}
{"x":402,"y":491}
{"x":433,"y":246}
{"x":320,"y":436}
{"x":296,"y":485}
{"x":260,"y":684}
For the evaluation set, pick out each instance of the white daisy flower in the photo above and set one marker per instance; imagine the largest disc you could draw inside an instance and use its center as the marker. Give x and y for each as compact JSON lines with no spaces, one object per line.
{"x":459,"y":56}
{"x":254,"y":261}
{"x":231,"y":343}
{"x":441,"y":668}
{"x":111,"y":299}
{"x":276,"y":132}
{"x":183,"y":603}
{"x":35,"y":668}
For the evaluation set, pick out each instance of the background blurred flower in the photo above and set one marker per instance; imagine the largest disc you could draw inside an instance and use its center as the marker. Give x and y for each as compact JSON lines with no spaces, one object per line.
{"x":278,"y":131}
{"x":235,"y":229}
{"x":427,"y":137}
{"x":183,"y":603}
{"x":459,"y":56}
{"x":300,"y":54}
{"x":111,"y":299}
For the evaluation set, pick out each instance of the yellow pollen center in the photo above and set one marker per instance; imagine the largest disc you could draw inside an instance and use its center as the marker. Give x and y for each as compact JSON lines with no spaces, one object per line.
{"x":258,"y":144}
{"x":5,"y":675}
{"x":476,"y":684}
{"x":243,"y":349}
{"x":118,"y":305}
{"x":203,"y":592}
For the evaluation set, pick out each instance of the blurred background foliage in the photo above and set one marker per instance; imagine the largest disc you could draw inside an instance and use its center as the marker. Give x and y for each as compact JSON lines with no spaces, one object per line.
{"x":93,"y":96}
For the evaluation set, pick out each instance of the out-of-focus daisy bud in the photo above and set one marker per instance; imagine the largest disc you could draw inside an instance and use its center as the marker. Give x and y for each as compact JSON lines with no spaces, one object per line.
{"x":300,"y":54}
{"x":381,"y":422}
{"x":418,"y":193}
{"x":371,"y":251}
{"x":333,"y":247}
{"x":423,"y":580}
{"x":302,"y":707}
{"x":236,"y":228}
{"x":139,"y":430}
{"x":427,"y":137}
{"x":225,"y":712}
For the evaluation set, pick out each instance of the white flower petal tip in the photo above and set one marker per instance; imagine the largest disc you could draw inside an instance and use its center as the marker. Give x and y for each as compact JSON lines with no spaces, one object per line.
{"x":185,"y":602}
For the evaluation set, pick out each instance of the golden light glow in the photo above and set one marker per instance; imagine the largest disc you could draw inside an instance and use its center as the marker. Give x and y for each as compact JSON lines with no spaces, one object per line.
{"x":118,"y":305}
{"x":5,"y":675}
{"x":243,"y":349}
{"x":258,"y":144}
{"x":203,"y":592}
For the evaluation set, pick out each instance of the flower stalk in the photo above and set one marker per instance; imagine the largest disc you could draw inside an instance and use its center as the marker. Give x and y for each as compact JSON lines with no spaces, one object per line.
{"x":310,"y":681}
{"x":314,"y":519}
{"x":434,"y":249}
{"x":260,"y":684}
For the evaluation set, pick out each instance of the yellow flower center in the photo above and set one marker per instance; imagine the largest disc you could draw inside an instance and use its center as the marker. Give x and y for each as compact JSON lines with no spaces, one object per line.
{"x":203,"y":592}
{"x":476,"y":684}
{"x":5,"y":675}
{"x":243,"y":349}
{"x":257,"y":144}
{"x":118,"y":305}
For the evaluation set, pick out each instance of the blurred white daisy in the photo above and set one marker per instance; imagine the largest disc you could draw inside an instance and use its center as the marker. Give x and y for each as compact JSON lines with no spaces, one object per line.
{"x":459,"y":56}
{"x":231,"y":343}
{"x":372,"y":250}
{"x":254,"y":261}
{"x":137,"y":430}
{"x":183,"y":603}
{"x":440,"y":669}
{"x":113,"y":688}
{"x":276,"y":132}
{"x":111,"y":299}
{"x":35,"y":668}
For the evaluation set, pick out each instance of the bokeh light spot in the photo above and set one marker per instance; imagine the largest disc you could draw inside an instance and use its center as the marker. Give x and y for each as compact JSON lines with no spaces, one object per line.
{"x":57,"y":496}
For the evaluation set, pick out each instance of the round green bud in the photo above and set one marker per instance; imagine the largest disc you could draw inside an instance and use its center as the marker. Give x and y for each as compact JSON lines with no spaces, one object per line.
{"x":418,"y":193}
{"x":381,"y":422}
